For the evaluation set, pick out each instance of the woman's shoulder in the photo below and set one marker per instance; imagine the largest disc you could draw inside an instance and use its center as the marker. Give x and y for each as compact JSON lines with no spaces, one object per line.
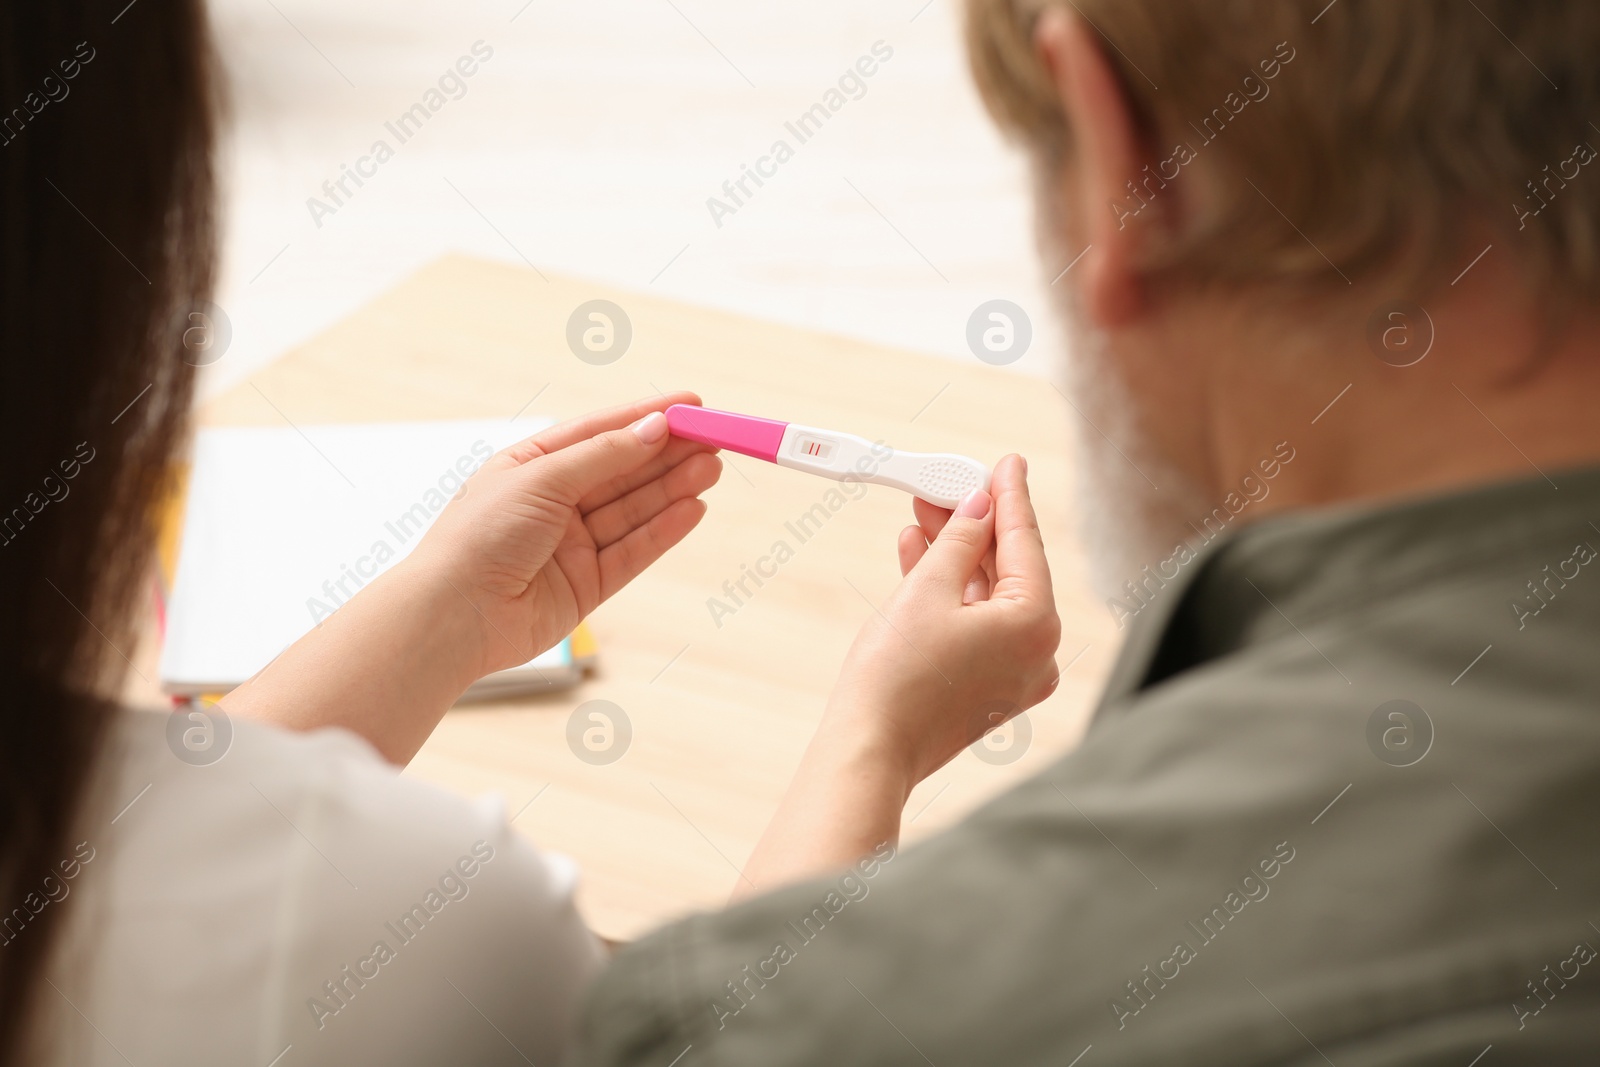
{"x":296,"y":888}
{"x":321,"y":808}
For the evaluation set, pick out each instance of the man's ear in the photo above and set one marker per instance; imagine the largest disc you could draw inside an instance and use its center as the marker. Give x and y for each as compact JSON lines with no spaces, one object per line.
{"x":1106,"y":156}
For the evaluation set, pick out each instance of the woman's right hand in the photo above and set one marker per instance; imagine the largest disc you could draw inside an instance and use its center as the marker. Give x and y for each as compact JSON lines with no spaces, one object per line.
{"x":968,"y":639}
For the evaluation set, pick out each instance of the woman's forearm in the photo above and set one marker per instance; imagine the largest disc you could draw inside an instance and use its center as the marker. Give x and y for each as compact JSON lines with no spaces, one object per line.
{"x":845,"y":800}
{"x":386,"y":665}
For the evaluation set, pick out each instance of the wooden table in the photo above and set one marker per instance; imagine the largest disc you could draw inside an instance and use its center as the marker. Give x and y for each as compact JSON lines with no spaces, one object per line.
{"x":720,"y":709}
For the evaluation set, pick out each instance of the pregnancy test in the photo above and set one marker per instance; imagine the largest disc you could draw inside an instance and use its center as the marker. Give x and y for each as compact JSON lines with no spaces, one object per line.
{"x":941,"y":478}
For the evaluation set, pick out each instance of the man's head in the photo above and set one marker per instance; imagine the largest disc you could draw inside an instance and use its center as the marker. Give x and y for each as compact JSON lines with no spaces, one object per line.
{"x":1255,"y":186}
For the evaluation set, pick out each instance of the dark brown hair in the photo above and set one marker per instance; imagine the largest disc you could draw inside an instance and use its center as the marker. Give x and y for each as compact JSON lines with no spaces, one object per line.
{"x":106,"y":242}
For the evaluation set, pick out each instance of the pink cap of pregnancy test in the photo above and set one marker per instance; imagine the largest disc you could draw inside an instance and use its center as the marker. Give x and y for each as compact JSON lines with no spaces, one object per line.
{"x":744,"y":434}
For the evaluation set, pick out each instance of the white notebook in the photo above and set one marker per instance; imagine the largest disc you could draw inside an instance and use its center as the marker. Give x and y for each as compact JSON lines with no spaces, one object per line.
{"x":282,"y":525}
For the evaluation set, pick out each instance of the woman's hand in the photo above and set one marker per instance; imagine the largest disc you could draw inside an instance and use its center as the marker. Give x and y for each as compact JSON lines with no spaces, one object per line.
{"x":549,"y":528}
{"x":967,"y":641}
{"x":540,"y":535}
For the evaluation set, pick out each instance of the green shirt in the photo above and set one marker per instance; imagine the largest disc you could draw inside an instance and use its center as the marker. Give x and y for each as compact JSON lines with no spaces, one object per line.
{"x":1338,"y":805}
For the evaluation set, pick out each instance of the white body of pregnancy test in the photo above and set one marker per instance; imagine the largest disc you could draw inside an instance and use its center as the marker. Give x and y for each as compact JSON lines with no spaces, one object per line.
{"x":941,"y":478}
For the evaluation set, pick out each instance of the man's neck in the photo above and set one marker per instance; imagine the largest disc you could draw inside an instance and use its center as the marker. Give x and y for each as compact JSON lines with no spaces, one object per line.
{"x":1499,"y":395}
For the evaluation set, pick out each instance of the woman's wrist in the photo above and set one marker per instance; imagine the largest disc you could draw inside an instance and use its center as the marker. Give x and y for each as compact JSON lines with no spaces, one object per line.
{"x":386,"y":665}
{"x":846,"y":799}
{"x":851,"y":746}
{"x":447,"y":636}
{"x":865,"y":729}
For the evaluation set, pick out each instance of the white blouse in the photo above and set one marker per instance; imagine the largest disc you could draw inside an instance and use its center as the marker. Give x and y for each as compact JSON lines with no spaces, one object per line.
{"x":297,"y":901}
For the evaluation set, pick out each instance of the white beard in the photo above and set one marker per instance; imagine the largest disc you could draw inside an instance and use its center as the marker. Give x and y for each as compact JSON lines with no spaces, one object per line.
{"x":1126,"y":523}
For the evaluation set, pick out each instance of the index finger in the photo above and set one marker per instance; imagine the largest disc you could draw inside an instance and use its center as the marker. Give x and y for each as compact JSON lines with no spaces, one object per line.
{"x":1020,"y":564}
{"x":584,"y":427}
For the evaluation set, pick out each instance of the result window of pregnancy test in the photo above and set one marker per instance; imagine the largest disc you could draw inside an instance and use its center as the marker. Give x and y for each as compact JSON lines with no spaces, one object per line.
{"x":813,"y":448}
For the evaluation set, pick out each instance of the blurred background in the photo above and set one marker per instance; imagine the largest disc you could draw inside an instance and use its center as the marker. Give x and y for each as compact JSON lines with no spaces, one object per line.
{"x":588,"y":145}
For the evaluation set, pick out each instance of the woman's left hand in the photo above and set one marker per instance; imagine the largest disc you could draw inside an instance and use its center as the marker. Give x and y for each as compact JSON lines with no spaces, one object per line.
{"x":540,"y":535}
{"x":552,"y":526}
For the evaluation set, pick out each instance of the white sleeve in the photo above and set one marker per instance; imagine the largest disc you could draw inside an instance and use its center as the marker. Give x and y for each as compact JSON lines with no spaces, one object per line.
{"x":421,"y":929}
{"x":298,"y":902}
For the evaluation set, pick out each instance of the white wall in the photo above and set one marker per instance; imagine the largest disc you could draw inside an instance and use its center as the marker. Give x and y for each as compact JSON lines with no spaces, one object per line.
{"x":591,"y":141}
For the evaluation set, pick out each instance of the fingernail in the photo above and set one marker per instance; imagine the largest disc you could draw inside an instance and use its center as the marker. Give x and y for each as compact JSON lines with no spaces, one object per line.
{"x":651,"y":428}
{"x":1024,"y":461}
{"x":975,"y":505}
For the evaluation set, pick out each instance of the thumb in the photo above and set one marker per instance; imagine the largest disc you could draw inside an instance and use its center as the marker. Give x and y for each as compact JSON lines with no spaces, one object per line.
{"x":960,"y":546}
{"x":571,"y":473}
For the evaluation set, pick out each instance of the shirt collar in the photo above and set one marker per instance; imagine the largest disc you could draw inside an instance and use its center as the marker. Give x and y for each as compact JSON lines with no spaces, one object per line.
{"x":1293,"y":571}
